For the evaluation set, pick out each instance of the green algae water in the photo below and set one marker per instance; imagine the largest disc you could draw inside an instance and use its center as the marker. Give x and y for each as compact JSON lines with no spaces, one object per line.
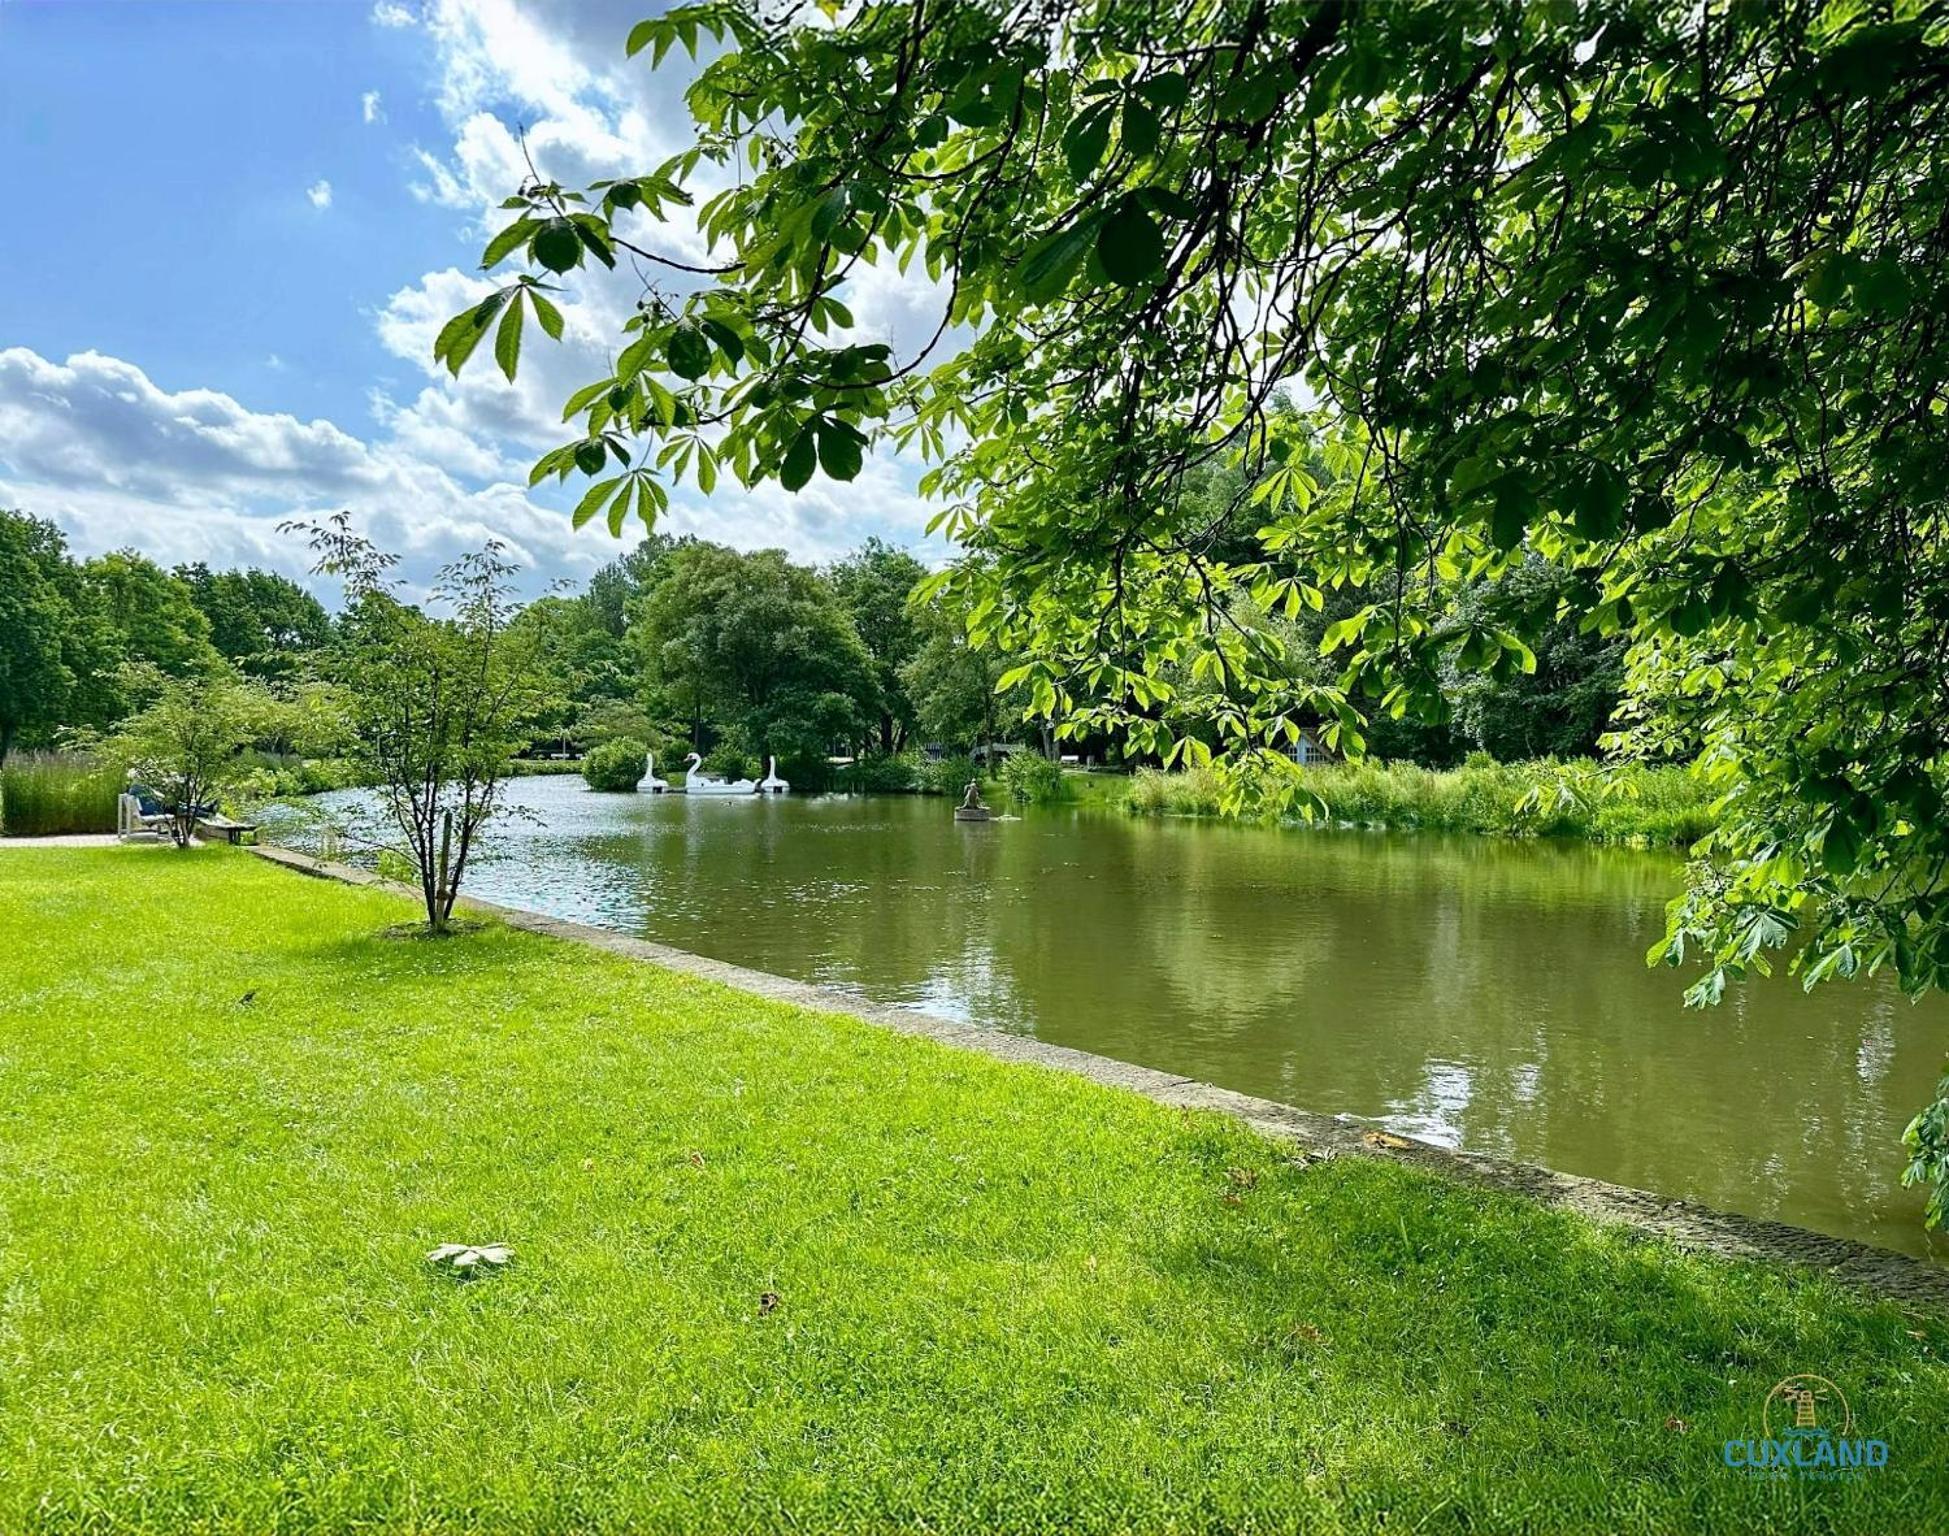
{"x":1482,"y":993}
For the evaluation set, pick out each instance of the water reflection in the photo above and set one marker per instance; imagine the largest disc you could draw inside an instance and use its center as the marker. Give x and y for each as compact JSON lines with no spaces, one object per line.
{"x":1485,"y":994}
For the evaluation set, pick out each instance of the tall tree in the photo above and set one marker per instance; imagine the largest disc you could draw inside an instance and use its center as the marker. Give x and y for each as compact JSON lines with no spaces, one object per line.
{"x":37,"y":628}
{"x":953,"y":687}
{"x":622,"y":580}
{"x":1650,"y":291}
{"x":259,"y":620}
{"x":150,"y":617}
{"x":1563,"y":706}
{"x":875,"y":583}
{"x":755,"y":646}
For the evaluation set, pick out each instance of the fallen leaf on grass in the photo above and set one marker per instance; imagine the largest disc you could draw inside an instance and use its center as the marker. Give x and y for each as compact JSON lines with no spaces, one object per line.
{"x":468,"y":1259}
{"x":769,"y":1303}
{"x":1386,"y":1139}
{"x":1678,"y":1426}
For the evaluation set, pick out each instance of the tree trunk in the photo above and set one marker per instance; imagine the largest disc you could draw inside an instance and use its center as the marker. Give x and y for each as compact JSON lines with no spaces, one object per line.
{"x":442,"y":900}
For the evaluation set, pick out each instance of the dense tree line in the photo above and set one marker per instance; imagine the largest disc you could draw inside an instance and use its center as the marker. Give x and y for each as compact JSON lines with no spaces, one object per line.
{"x":689,"y":645}
{"x":72,"y":632}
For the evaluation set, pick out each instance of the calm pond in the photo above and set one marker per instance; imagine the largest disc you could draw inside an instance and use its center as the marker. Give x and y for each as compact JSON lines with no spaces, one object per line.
{"x":1476,"y":992}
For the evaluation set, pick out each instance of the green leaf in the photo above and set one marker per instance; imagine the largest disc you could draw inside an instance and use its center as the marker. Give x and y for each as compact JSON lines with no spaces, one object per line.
{"x":642,"y":35}
{"x":584,"y":397}
{"x":799,"y":459}
{"x":635,"y":357}
{"x":1471,"y":474}
{"x":590,"y":457}
{"x":1087,"y":138}
{"x":557,"y":246}
{"x":588,"y":229}
{"x":619,"y":509}
{"x":688,"y":352}
{"x":1166,"y":92}
{"x":827,"y":213}
{"x":841,"y":448}
{"x":1047,"y":266}
{"x":1597,"y":502}
{"x":507,"y":341}
{"x":549,"y":316}
{"x":728,"y":341}
{"x":516,"y":234}
{"x":460,"y":335}
{"x":1130,"y":245}
{"x":1257,"y":94}
{"x":592,"y":500}
{"x":1141,"y":129}
{"x":1515,"y":505}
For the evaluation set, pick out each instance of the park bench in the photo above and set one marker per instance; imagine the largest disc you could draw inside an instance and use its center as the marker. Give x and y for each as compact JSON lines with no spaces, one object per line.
{"x":211,"y":828}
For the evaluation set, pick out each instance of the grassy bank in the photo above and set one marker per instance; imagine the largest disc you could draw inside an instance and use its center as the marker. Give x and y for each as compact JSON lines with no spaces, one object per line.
{"x":49,"y":794}
{"x":1650,"y":806}
{"x":780,"y":1270}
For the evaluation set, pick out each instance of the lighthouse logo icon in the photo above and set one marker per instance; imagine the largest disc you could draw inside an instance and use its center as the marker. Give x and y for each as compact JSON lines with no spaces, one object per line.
{"x":1805,"y":1408}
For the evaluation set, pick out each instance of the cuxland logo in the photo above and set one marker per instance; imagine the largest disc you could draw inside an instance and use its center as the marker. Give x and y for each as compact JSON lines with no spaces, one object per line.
{"x":1806,"y":1430}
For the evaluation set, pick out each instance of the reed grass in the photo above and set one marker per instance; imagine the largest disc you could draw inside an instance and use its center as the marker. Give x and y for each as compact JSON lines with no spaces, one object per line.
{"x":47,"y":794}
{"x":1650,"y":806}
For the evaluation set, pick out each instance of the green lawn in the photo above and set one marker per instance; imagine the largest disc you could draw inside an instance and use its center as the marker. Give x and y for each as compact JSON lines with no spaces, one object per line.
{"x":780,"y":1270}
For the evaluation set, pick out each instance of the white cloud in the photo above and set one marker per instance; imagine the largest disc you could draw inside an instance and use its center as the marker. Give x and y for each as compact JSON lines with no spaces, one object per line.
{"x":196,"y":475}
{"x":320,"y":193}
{"x":589,"y":112}
{"x":370,"y":108}
{"x":386,"y":13}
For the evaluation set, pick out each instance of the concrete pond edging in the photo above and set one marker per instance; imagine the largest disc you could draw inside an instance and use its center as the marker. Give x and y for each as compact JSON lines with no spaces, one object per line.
{"x":1696,"y":1228}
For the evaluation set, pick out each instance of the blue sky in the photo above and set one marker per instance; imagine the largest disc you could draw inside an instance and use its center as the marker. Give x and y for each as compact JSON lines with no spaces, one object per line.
{"x":252,"y":218}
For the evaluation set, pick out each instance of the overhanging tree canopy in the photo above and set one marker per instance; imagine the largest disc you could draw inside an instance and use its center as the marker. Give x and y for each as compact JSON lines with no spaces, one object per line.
{"x":1651,"y":291}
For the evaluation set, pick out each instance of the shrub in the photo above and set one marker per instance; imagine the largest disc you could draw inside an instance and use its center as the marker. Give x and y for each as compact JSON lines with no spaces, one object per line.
{"x":944,"y":776}
{"x":188,"y":744}
{"x":808,"y":773}
{"x":440,"y":700}
{"x":882,"y":774}
{"x":48,"y":794}
{"x":728,"y":761}
{"x":1028,"y":778}
{"x":616,"y":766}
{"x":275,"y":776}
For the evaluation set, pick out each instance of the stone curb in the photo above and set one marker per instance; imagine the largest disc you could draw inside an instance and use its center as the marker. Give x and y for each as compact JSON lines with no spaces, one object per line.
{"x":1693,"y":1227}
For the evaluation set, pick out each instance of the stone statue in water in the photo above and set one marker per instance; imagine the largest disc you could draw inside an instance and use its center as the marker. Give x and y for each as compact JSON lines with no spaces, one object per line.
{"x":971,"y":808}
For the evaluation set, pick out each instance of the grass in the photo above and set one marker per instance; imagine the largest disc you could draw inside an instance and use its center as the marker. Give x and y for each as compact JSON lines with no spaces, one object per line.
{"x":780,"y":1270}
{"x":1647,"y":806}
{"x":48,"y":794}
